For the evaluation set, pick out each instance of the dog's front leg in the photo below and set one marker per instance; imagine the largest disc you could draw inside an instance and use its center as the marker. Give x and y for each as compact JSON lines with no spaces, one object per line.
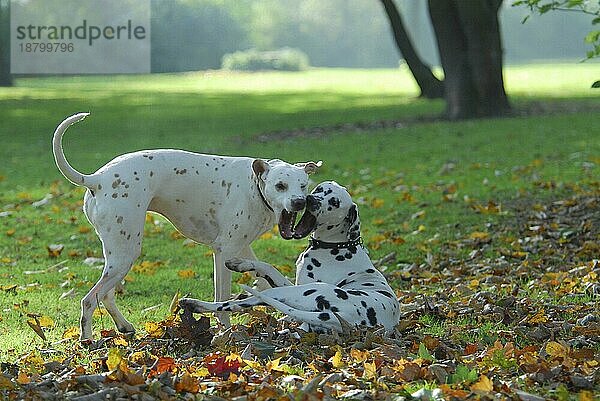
{"x":265,"y":271}
{"x":222,"y":277}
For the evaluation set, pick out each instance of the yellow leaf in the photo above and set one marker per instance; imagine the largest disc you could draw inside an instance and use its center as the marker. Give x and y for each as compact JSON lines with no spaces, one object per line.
{"x":201,"y":372}
{"x":72,"y":332}
{"x":253,"y":364}
{"x":273,"y":365}
{"x":46,"y":321}
{"x":267,"y":235}
{"x":421,"y":228}
{"x":154,"y":329}
{"x":336,"y":360}
{"x":188,"y":273}
{"x":556,"y":350}
{"x":370,"y":370}
{"x":484,"y":385}
{"x":115,"y":358}
{"x":84,"y":229}
{"x":358,"y":355}
{"x":6,"y":260}
{"x":174,"y":305}
{"x":586,"y":395}
{"x":99,"y":312}
{"x":480,"y":235}
{"x":538,"y":317}
{"x":22,"y":378}
{"x":11,"y":232}
{"x":120,"y":341}
{"x":377,"y":203}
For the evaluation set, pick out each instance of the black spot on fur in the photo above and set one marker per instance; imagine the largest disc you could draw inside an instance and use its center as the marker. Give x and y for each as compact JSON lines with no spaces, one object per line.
{"x":363,"y":323}
{"x":351,"y":273}
{"x":334,"y":309}
{"x":308,"y":292}
{"x":385,"y":293}
{"x":310,"y":274}
{"x":368,"y":284}
{"x":309,"y":267}
{"x":315,"y":262}
{"x":322,"y":303}
{"x":341,"y":293}
{"x":372,"y":316}
{"x":357,"y":293}
{"x":370,"y":270}
{"x":348,"y":255}
{"x":335,"y":251}
{"x":335,"y":202}
{"x":324,"y":316}
{"x":363,"y":303}
{"x":340,"y":258}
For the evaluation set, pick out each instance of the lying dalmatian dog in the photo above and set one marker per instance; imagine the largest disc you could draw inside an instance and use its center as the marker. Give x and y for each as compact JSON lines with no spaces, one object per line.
{"x":336,"y":282}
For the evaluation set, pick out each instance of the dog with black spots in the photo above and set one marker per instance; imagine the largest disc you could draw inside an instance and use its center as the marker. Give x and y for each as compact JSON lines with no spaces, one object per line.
{"x":336,"y":282}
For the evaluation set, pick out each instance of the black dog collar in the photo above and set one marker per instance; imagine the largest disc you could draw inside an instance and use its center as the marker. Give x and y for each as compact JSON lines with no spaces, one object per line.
{"x":262,"y":196}
{"x":318,"y":244}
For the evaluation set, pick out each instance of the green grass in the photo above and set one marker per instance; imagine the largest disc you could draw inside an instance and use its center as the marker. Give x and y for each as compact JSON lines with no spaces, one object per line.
{"x":393,"y":174}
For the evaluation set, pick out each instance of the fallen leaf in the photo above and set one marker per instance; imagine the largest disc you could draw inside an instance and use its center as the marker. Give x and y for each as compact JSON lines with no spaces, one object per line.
{"x":484,"y":385}
{"x":54,"y":250}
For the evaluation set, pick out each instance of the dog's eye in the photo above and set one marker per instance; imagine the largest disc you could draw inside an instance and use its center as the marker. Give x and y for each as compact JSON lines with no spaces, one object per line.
{"x":280,"y":186}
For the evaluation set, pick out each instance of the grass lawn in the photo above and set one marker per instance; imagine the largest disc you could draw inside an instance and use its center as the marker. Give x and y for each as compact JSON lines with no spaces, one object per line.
{"x":423,"y":189}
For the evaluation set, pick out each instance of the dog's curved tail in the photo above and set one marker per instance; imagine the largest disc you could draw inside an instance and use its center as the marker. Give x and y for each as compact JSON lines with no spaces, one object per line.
{"x":63,"y":165}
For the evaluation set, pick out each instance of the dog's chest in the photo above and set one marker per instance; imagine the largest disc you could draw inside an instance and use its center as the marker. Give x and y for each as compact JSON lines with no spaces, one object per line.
{"x":330,"y":265}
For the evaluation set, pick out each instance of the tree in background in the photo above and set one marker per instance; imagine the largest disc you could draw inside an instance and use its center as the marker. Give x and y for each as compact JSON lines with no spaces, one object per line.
{"x":431,"y":87}
{"x":191,"y":35}
{"x":5,"y":76}
{"x":470,"y":49}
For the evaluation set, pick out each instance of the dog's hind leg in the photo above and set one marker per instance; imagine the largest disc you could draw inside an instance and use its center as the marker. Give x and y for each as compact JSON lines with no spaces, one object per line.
{"x":326,"y":320}
{"x":122,"y":324}
{"x":121,"y":238}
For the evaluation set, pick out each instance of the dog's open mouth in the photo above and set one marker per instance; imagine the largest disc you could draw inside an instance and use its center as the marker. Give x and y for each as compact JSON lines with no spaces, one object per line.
{"x":286,"y":224}
{"x":307,"y":223}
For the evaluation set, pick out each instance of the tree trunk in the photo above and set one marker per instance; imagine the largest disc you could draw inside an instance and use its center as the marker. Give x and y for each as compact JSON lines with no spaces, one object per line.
{"x":430,"y":86}
{"x":468,"y":37}
{"x":5,"y":77}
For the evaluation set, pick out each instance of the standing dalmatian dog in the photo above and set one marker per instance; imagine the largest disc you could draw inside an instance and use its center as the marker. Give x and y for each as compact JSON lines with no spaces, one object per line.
{"x":223,"y":202}
{"x":336,"y":281}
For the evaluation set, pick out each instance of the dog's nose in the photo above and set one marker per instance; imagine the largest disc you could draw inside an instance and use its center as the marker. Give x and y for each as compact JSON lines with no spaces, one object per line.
{"x":298,"y":203}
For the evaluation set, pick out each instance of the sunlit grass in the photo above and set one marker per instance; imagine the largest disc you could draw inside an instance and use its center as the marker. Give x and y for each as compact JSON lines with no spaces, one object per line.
{"x":394,"y":174}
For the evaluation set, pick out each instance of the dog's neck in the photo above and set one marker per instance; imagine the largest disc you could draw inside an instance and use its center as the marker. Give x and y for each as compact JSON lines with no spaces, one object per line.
{"x":318,"y":244}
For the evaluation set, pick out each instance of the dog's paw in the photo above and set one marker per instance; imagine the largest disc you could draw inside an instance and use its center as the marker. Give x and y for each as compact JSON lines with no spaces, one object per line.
{"x":190,"y":304}
{"x":239,"y":265}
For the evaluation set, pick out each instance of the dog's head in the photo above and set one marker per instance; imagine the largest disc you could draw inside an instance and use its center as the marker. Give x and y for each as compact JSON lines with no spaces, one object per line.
{"x":330,"y":213}
{"x":284,"y":187}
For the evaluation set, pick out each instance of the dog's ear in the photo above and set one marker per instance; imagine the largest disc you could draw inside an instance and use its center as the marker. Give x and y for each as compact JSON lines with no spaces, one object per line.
{"x":310,"y":167}
{"x":260,"y":168}
{"x":352,"y":214}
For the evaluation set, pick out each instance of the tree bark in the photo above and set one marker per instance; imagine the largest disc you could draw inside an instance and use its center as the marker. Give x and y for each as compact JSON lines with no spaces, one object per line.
{"x":468,"y":38}
{"x":431,"y":87}
{"x":5,"y":77}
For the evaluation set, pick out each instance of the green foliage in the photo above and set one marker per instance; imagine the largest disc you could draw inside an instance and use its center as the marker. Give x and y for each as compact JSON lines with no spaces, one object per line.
{"x":285,"y":59}
{"x":424,"y":353}
{"x":463,"y":374}
{"x":589,"y":7}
